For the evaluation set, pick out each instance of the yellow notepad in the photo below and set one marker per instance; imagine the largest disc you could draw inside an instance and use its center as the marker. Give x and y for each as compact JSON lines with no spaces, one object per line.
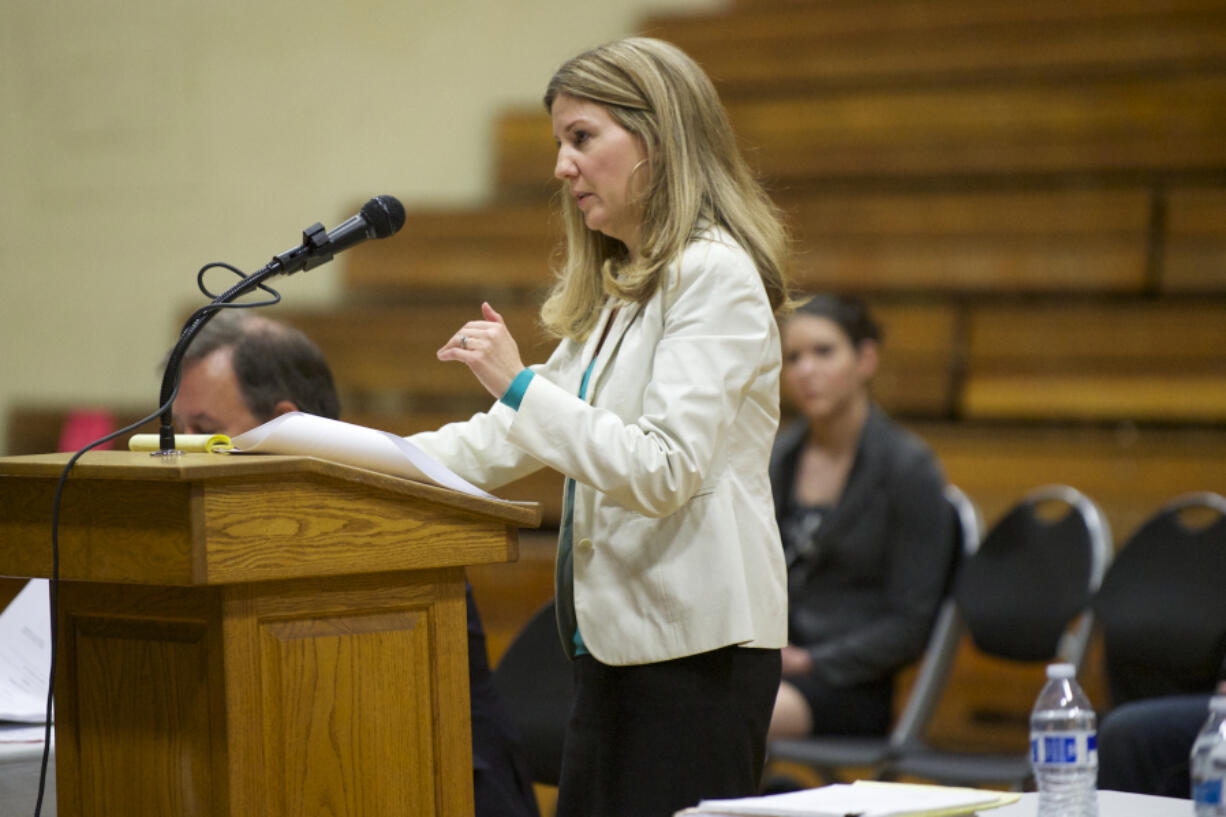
{"x":194,"y":443}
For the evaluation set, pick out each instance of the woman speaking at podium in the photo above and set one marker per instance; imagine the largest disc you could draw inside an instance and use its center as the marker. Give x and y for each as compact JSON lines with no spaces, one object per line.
{"x":659,"y":405}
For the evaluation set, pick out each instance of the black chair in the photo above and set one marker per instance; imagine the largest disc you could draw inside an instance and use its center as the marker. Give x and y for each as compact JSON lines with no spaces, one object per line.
{"x":1162,"y":605}
{"x":829,"y":756}
{"x":1025,"y":597}
{"x":535,"y":680}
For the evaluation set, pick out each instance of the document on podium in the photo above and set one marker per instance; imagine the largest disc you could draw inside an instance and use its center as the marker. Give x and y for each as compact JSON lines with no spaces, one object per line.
{"x":308,"y":435}
{"x":864,"y":798}
{"x":25,"y":654}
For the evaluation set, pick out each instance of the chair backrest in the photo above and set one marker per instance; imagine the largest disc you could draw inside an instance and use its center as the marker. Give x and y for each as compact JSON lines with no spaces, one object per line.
{"x":536,"y":683}
{"x":946,"y":631}
{"x":1025,"y":594}
{"x":1162,"y":605}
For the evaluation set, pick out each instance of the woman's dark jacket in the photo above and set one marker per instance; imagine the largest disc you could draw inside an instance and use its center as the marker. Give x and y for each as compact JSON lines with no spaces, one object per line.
{"x":863,"y":595}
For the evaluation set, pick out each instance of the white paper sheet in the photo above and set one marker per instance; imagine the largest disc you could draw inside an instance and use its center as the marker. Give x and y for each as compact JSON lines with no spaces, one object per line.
{"x":25,"y":655}
{"x":862,"y":799}
{"x":311,"y":436}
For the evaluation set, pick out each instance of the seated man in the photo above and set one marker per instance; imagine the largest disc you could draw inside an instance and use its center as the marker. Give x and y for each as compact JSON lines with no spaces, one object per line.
{"x":242,"y":370}
{"x":1144,"y":746}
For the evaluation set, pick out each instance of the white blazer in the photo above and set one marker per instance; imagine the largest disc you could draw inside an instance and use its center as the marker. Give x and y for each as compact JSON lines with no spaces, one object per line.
{"x":676,"y":550}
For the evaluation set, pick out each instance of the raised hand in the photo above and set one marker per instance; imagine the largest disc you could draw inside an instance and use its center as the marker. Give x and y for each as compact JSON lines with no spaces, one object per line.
{"x":487,"y":348}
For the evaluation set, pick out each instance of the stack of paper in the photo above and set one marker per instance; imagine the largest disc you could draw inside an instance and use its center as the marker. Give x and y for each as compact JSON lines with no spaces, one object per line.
{"x":864,"y":798}
{"x":25,"y":654}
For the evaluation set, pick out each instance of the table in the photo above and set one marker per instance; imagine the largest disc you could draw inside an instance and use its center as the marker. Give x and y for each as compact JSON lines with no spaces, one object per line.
{"x":1110,"y":804}
{"x":19,"y":767}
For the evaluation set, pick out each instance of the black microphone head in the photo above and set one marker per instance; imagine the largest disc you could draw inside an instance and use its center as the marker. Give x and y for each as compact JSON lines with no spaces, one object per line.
{"x":384,"y":215}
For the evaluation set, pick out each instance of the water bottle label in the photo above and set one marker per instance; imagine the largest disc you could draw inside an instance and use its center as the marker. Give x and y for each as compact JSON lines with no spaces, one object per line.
{"x":1063,"y":748}
{"x":1207,"y":792}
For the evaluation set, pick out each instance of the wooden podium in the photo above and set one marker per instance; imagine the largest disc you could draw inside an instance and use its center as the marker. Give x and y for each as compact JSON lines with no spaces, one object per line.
{"x":255,"y":635}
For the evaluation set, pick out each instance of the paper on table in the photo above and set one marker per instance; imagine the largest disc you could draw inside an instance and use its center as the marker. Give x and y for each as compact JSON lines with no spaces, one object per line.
{"x":860,"y":799}
{"x":311,"y":436}
{"x":25,"y":654}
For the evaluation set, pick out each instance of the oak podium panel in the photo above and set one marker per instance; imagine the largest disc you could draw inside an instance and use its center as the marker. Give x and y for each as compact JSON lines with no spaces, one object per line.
{"x":256,"y":635}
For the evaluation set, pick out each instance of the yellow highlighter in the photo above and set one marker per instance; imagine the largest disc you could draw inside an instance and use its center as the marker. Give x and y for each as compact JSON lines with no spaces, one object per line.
{"x":191,"y":443}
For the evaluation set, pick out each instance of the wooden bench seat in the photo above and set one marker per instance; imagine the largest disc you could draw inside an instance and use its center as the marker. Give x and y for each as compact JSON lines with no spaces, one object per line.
{"x":1082,"y":239}
{"x":1099,"y":127}
{"x":1161,"y":361}
{"x":1194,"y":252}
{"x":1048,"y":358}
{"x":819,"y":51}
{"x":917,"y":375}
{"x":1130,"y":470}
{"x":1103,"y":127}
{"x":972,"y":241}
{"x":503,"y":247}
{"x":748,"y":21}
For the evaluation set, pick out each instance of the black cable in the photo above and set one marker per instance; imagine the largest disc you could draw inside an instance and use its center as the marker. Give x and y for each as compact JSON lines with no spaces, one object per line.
{"x":230,"y":292}
{"x":193,"y":324}
{"x":53,"y":589}
{"x":166,"y":434}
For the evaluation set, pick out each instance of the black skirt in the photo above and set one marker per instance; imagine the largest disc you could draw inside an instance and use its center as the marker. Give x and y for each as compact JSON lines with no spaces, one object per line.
{"x":649,"y":740}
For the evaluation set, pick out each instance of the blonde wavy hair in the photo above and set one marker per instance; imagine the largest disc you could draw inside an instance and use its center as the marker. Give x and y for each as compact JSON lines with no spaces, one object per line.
{"x":696,"y":178}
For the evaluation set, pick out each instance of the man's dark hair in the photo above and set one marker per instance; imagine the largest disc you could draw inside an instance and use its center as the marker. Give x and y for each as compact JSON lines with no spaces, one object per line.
{"x":272,"y":362}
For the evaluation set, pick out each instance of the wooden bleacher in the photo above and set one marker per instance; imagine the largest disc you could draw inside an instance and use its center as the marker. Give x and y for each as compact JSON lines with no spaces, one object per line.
{"x":1194,"y":241}
{"x":502,"y":249}
{"x":871,"y":25}
{"x":822,"y":91}
{"x":1137,"y":360}
{"x":971,"y":240}
{"x":1124,"y":127}
{"x":804,"y":47}
{"x":1032,"y":196}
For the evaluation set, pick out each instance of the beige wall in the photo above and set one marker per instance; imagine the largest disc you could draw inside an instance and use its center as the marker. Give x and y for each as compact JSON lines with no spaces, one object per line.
{"x":143,"y":139}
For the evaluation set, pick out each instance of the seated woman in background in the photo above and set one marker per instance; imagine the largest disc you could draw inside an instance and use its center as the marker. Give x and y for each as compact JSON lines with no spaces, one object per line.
{"x":867,"y":533}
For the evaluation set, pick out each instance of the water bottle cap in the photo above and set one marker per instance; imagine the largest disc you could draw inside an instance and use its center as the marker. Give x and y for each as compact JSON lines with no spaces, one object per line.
{"x":1061,"y":671}
{"x":1218,"y":704}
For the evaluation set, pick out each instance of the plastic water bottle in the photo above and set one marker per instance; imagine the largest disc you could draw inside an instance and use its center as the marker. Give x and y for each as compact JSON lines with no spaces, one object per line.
{"x":1064,"y":747}
{"x":1208,"y":761}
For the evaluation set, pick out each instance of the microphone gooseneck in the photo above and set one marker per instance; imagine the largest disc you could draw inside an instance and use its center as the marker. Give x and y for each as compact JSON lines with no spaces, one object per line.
{"x":380,"y":217}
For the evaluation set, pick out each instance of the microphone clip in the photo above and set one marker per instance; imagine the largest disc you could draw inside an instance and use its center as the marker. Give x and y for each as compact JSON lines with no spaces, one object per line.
{"x":315,"y":250}
{"x":320,"y":243}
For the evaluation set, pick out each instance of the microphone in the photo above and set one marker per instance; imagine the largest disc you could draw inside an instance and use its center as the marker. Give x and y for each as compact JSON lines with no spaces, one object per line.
{"x":380,"y":217}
